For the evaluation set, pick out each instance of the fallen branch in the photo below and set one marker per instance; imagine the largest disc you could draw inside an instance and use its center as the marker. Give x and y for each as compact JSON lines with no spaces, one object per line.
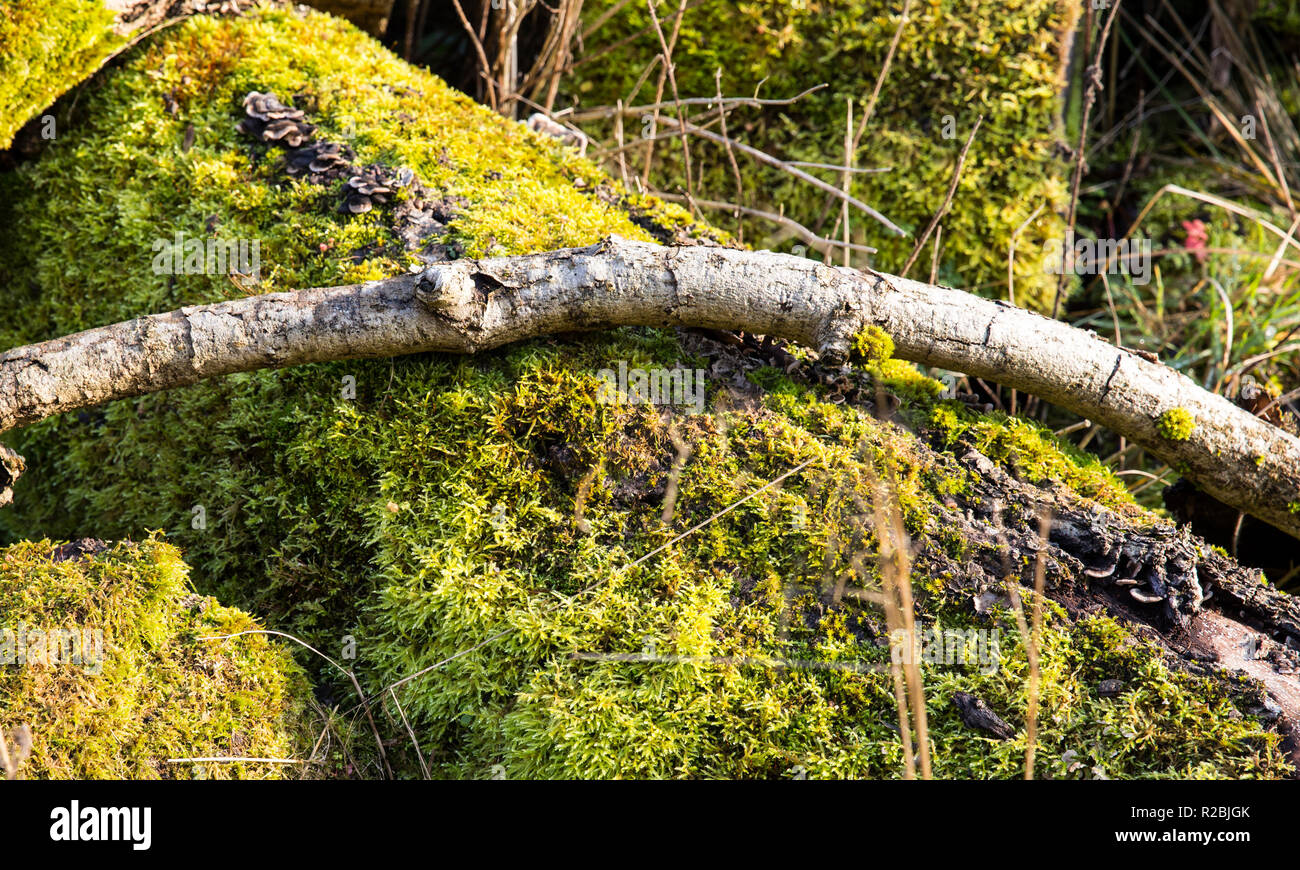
{"x":465,"y":306}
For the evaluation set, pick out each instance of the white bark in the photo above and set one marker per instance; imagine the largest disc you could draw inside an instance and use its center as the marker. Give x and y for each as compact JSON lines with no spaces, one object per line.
{"x":471,"y":305}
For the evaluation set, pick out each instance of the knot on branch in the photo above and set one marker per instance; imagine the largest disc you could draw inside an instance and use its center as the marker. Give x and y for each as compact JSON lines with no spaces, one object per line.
{"x":449,"y":290}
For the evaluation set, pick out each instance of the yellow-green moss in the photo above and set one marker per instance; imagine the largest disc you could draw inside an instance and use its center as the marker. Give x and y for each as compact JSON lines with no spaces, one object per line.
{"x":145,"y":688}
{"x":1031,"y":450}
{"x":956,"y":60}
{"x":873,"y":345}
{"x":1176,"y":424}
{"x":521,"y":191}
{"x":47,"y":47}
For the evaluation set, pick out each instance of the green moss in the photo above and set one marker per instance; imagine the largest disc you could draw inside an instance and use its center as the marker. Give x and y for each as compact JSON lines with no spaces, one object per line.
{"x":144,"y":687}
{"x":1030,"y":450}
{"x":1176,"y":424}
{"x":873,"y":345}
{"x":47,"y":47}
{"x":903,"y":379}
{"x":956,"y":60}
{"x":495,"y":502}
{"x":1281,"y":15}
{"x":512,"y":190}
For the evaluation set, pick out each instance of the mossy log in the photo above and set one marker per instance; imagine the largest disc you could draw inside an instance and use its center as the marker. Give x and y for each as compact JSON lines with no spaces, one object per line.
{"x":47,"y":47}
{"x":513,"y":549}
{"x":468,"y":305}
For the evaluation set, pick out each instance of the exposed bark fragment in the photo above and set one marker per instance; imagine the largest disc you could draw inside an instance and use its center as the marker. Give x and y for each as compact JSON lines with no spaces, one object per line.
{"x":1207,"y":606}
{"x":976,"y":714}
{"x":11,"y":467}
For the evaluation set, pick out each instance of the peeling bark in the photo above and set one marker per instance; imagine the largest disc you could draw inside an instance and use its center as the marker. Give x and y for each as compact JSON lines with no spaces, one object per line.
{"x":1209,"y":615}
{"x":466,"y":306}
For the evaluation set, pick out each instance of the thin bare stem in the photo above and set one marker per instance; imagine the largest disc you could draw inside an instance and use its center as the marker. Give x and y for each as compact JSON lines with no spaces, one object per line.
{"x":731,"y":159}
{"x":816,"y":242}
{"x":346,"y":672}
{"x":1093,"y":76}
{"x":947,"y":200}
{"x":670,"y":66}
{"x":764,"y":157}
{"x":485,"y":68}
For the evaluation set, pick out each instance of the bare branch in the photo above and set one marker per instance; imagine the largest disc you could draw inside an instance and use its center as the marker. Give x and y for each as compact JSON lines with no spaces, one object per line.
{"x":466,"y":306}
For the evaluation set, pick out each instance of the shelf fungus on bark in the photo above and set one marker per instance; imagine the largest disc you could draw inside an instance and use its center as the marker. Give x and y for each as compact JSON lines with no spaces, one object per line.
{"x":321,"y":162}
{"x":418,"y":219}
{"x":270,"y":120}
{"x":366,"y":189}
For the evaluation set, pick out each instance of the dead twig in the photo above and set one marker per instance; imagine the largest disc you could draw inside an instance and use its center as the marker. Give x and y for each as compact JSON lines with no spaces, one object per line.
{"x":1093,"y":76}
{"x":947,"y":200}
{"x":764,"y":157}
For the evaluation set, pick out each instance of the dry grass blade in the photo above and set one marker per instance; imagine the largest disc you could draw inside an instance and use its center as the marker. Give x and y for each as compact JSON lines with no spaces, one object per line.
{"x":666,"y":58}
{"x":947,"y":200}
{"x":896,"y":578}
{"x":731,"y":160}
{"x":1011,"y":252}
{"x":875,"y":95}
{"x":424,"y":767}
{"x":365,"y":703}
{"x":1210,"y":199}
{"x":1209,"y":101}
{"x":818,"y":243}
{"x":615,"y":46}
{"x":485,"y":68}
{"x":556,"y":51}
{"x":670,"y":68}
{"x":601,"y":112}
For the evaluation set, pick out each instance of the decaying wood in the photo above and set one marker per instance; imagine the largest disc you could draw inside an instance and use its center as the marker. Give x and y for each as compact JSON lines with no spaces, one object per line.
{"x":466,"y":306}
{"x":1207,"y":614}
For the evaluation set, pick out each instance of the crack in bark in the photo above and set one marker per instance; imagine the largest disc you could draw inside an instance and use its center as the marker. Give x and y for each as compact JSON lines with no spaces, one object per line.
{"x":1105,"y":390}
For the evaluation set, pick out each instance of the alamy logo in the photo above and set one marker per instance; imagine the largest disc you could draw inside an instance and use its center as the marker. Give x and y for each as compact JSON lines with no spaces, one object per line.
{"x":1084,"y":256}
{"x":27,"y":645}
{"x":976,"y":646}
{"x":192,"y":256}
{"x":77,"y":823}
{"x":654,"y":387}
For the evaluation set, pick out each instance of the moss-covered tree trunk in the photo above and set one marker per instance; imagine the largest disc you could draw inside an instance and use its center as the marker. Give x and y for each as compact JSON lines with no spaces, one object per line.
{"x":565,"y":579}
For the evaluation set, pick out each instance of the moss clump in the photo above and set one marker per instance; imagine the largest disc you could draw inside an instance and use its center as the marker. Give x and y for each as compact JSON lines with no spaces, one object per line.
{"x":1176,"y":424}
{"x":499,"y":188}
{"x":1030,"y":450}
{"x":415,"y":508}
{"x":874,"y":349}
{"x":47,"y":47}
{"x":101,"y":656}
{"x":956,"y":60}
{"x":873,"y":345}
